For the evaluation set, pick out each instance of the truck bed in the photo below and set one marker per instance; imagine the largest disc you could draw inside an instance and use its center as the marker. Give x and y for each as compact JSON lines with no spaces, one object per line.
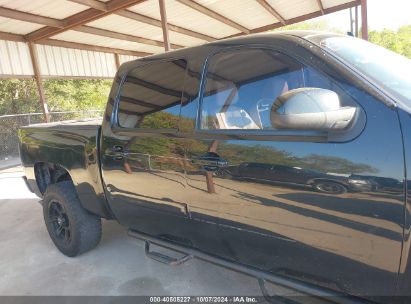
{"x":72,"y":145}
{"x":92,"y":122}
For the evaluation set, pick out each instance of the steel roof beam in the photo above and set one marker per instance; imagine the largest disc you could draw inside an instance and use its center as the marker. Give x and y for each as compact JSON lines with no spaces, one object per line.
{"x":12,"y":37}
{"x":121,"y":36}
{"x":89,"y":47}
{"x":272,"y":11}
{"x":81,"y":18}
{"x":39,"y":81}
{"x":23,"y":16}
{"x":210,"y":13}
{"x":164,"y":25}
{"x":157,"y":23}
{"x":145,"y":19}
{"x":307,"y":16}
{"x":301,"y":18}
{"x":74,"y":45}
{"x":320,"y":5}
{"x":364,"y":21}
{"x":101,"y":6}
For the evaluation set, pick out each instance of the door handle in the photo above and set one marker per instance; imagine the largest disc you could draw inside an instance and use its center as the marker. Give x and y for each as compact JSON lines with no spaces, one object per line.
{"x":210,"y":161}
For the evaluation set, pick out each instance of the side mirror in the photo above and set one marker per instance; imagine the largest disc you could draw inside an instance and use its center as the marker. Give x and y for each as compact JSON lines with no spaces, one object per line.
{"x":310,"y":109}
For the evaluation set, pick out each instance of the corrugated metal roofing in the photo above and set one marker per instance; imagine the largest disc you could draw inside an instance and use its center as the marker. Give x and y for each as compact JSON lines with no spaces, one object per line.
{"x":135,"y":28}
{"x":240,"y":16}
{"x":58,"y":9}
{"x":332,"y":3}
{"x":125,"y":58}
{"x":58,"y":61}
{"x":17,"y":27}
{"x":108,"y":42}
{"x":291,"y":9}
{"x":15,"y":59}
{"x":257,"y":16}
{"x":184,"y":16}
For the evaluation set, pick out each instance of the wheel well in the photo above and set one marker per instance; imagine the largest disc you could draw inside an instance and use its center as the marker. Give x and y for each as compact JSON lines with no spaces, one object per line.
{"x":47,"y":174}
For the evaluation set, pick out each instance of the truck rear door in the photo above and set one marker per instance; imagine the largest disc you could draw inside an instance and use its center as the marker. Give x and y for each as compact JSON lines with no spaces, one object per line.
{"x":142,"y":157}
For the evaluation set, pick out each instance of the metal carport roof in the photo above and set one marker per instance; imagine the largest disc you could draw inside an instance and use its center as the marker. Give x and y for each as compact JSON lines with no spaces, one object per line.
{"x":136,"y":25}
{"x":74,"y":38}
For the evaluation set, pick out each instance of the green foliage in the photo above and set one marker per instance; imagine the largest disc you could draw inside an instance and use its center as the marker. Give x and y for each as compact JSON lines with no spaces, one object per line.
{"x":316,"y":25}
{"x":18,"y":96}
{"x":72,"y":95}
{"x":152,"y":146}
{"x":242,"y":154}
{"x":160,"y":120}
{"x":334,"y":164}
{"x":397,"y":41}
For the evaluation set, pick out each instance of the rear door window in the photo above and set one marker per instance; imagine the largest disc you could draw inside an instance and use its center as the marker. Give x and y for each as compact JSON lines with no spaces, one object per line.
{"x":151,"y":95}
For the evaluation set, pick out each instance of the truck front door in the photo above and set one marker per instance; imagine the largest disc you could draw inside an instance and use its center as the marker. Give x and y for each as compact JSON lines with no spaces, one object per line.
{"x":333,"y":238}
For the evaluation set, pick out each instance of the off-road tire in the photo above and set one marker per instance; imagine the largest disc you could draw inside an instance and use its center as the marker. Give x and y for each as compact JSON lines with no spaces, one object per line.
{"x":63,"y":212}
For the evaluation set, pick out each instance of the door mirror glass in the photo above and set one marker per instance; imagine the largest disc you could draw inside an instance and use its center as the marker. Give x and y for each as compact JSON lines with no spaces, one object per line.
{"x":310,"y":109}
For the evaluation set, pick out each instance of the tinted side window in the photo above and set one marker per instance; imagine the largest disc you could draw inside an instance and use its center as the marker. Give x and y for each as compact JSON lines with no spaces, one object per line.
{"x":150,"y":97}
{"x":242,"y":85}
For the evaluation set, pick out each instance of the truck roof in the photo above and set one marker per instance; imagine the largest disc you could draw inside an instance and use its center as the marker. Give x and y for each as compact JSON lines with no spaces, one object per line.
{"x":261,"y":38}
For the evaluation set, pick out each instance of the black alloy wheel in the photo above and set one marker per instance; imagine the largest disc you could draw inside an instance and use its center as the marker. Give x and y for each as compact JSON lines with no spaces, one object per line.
{"x":73,"y":229}
{"x":59,"y":222}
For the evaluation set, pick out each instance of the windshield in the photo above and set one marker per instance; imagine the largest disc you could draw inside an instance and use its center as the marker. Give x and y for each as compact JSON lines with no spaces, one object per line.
{"x":390,"y":71}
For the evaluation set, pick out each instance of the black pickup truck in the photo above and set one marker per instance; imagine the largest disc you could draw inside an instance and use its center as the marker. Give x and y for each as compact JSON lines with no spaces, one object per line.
{"x":312,"y":102}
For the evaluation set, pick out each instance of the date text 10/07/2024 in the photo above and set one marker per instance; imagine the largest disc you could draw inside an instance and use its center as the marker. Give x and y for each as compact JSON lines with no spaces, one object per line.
{"x":205,"y":299}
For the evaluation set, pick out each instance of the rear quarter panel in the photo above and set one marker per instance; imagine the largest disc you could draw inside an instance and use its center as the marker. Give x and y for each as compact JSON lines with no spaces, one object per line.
{"x":73,"y":147}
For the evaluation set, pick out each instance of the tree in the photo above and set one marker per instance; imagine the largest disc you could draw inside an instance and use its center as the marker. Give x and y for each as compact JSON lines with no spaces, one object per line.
{"x":334,"y":164}
{"x":18,"y":96}
{"x":73,"y":95}
{"x":315,"y":25}
{"x":398,"y":41}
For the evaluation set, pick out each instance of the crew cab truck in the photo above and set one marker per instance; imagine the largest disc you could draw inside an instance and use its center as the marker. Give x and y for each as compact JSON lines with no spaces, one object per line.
{"x":174,"y":121}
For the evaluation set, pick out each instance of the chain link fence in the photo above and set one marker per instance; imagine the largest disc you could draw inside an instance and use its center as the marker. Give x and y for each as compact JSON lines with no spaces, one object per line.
{"x":9,"y":124}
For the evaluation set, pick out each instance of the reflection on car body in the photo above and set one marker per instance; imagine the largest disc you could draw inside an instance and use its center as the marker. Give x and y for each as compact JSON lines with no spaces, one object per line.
{"x":383,"y":184}
{"x":284,"y":153}
{"x":323,"y":182}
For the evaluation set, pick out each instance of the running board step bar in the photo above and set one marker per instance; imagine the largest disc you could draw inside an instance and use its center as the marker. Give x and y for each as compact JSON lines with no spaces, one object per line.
{"x":165,"y":259}
{"x":261,"y":276}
